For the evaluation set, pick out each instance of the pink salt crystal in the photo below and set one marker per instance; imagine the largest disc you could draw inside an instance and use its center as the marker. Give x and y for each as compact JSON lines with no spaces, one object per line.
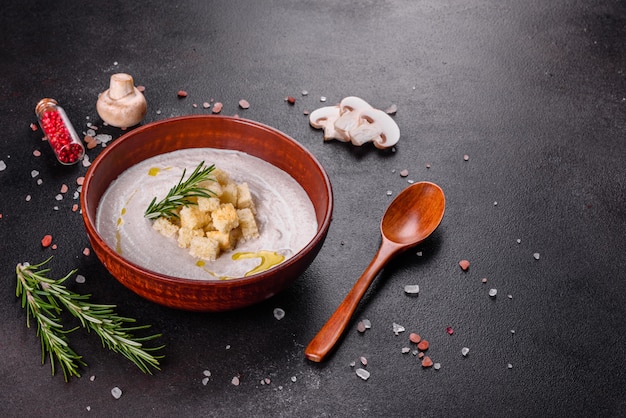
{"x":37,"y":153}
{"x":414,"y":338}
{"x":404,"y":173}
{"x":464,"y":264}
{"x":74,"y":207}
{"x":33,"y":127}
{"x":141,"y":88}
{"x":466,"y":157}
{"x":182,"y":93}
{"x":244,"y":104}
{"x":360,"y":327}
{"x":363,"y":361}
{"x":86,"y":251}
{"x":206,"y":105}
{"x":64,"y":188}
{"x":217,"y":107}
{"x":484,"y":280}
{"x":449,"y":330}
{"x":80,"y":180}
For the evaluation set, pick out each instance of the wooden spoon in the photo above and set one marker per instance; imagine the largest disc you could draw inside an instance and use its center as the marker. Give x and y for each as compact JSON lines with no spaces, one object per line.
{"x":411,"y":217}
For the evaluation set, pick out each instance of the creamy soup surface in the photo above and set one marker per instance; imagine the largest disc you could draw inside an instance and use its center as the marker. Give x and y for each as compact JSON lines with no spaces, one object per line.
{"x":285,"y":214}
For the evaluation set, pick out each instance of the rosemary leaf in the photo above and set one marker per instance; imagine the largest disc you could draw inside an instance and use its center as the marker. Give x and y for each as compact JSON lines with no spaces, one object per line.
{"x":45,"y":298}
{"x":181,"y":194}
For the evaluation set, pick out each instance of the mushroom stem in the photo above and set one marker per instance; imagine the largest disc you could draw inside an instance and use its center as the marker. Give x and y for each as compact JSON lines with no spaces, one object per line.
{"x":121,"y":85}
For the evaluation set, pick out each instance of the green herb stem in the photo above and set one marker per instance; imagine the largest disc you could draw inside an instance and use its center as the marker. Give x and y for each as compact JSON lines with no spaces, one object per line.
{"x":181,"y":194}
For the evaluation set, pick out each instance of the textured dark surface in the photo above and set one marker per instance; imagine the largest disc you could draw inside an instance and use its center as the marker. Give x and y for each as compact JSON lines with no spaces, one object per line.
{"x":534,"y":92}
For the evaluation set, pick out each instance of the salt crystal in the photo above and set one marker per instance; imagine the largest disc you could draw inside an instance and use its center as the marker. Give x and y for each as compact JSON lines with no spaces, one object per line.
{"x":59,"y":197}
{"x":235,"y":381}
{"x":293,"y":379}
{"x":449,"y":330}
{"x":363,"y":374}
{"x":91,"y":133}
{"x":39,"y":182}
{"x":267,"y":380}
{"x":103,"y":138}
{"x":116,"y":392}
{"x":367,"y":323}
{"x":28,"y":198}
{"x":510,"y":366}
{"x":80,"y":278}
{"x":352,"y":363}
{"x":363,"y":361}
{"x":323,"y":99}
{"x":88,"y":408}
{"x":92,"y":378}
{"x":205,"y":380}
{"x":465,"y":351}
{"x":207,"y":373}
{"x":389,"y":192}
{"x":419,"y":253}
{"x":405,"y":350}
{"x":34,"y":173}
{"x":305,"y":93}
{"x":55,"y":208}
{"x":466,"y":157}
{"x":495,"y":203}
{"x":437,"y":366}
{"x":412,"y":289}
{"x":493,"y":292}
{"x":228,"y":346}
{"x":519,"y":241}
{"x":360,"y":327}
{"x":37,"y":153}
{"x":397,"y":328}
{"x":279,"y":313}
{"x":464,"y":264}
{"x":536,"y":255}
{"x":510,"y":296}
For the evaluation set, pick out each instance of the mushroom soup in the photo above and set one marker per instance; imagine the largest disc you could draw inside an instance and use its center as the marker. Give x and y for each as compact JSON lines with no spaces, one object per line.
{"x":285,"y":215}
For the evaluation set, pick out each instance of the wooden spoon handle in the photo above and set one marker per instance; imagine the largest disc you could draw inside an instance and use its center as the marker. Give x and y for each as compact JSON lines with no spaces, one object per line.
{"x":327,"y":337}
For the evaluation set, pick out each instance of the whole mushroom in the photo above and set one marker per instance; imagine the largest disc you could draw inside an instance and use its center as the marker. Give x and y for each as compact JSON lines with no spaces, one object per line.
{"x":122,"y":105}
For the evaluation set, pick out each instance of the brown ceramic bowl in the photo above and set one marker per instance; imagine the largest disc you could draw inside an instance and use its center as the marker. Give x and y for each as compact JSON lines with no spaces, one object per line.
{"x":213,"y":132}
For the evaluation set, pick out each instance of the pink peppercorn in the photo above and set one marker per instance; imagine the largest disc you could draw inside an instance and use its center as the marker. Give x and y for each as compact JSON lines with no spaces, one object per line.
{"x":59,"y":131}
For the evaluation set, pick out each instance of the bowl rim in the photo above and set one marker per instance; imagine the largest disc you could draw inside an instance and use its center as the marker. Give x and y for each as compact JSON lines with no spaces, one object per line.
{"x":90,"y":224}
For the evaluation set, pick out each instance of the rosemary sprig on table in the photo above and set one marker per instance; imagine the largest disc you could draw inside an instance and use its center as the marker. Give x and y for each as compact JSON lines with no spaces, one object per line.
{"x":45,"y":299}
{"x":181,"y":194}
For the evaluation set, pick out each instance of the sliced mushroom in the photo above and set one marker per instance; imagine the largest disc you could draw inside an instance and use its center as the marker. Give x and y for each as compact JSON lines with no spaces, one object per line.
{"x":350,"y":109}
{"x":390,"y":134}
{"x":365,"y":132}
{"x":324,"y":118}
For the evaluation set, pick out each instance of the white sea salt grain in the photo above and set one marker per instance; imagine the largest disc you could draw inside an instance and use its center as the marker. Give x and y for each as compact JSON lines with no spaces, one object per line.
{"x":34,"y":173}
{"x":207,"y":373}
{"x":362,"y":373}
{"x":293,"y":379}
{"x":465,"y":351}
{"x":389,"y":192}
{"x":519,"y":241}
{"x":205,"y":381}
{"x":80,"y":278}
{"x":3,"y":165}
{"x":405,"y":350}
{"x":510,"y":366}
{"x":437,"y":366}
{"x":536,"y":255}
{"x":28,"y":198}
{"x":411,"y":289}
{"x":493,"y":292}
{"x":116,"y":392}
{"x":235,"y":381}
{"x":366,"y":323}
{"x":397,"y":328}
{"x":39,"y":182}
{"x":59,"y":197}
{"x":279,"y":313}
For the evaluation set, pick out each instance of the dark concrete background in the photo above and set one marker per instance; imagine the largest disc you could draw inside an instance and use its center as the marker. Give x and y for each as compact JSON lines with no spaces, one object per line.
{"x":534,"y":92}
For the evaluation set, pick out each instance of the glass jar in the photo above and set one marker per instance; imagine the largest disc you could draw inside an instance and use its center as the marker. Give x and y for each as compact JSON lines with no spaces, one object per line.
{"x":59,"y":131}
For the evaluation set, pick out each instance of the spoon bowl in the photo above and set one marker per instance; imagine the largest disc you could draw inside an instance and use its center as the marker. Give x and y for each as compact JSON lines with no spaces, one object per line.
{"x":410,"y":218}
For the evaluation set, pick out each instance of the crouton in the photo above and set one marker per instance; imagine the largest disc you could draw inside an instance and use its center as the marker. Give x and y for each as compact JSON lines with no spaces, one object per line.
{"x":185,"y":235}
{"x":205,"y":248}
{"x":221,"y":176}
{"x":165,"y":227}
{"x":208,"y":204}
{"x":247,"y":224}
{"x":244,"y":197}
{"x":192,"y":217}
{"x":226,"y":240}
{"x":225,"y":218}
{"x":229,"y":193}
